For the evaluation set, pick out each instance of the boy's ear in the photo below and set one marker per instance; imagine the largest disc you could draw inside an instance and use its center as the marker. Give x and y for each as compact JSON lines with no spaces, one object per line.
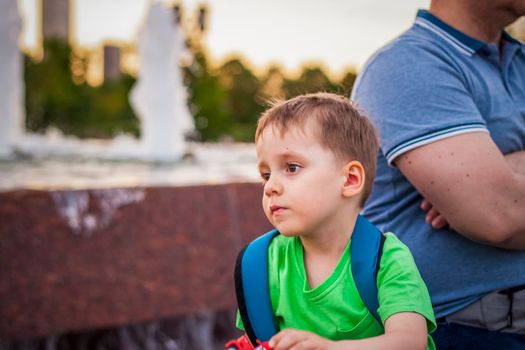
{"x":355,"y":179}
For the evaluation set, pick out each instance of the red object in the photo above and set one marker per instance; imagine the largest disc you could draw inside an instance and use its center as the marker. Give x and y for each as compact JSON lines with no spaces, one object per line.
{"x":263,"y":345}
{"x":243,"y":343}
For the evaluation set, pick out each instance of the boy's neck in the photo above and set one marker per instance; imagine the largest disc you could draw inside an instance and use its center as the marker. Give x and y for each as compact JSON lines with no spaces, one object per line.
{"x":332,"y":239}
{"x":322,"y":251}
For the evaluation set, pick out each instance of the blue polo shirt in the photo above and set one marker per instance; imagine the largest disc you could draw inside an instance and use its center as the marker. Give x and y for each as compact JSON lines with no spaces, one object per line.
{"x":431,"y":83}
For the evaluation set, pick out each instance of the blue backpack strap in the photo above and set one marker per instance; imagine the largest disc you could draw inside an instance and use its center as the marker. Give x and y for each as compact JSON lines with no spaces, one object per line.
{"x":365,"y":257}
{"x":252,"y":289}
{"x":252,"y":283}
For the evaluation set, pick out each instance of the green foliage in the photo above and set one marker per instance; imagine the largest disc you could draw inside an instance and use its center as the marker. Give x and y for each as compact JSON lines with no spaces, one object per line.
{"x":242,"y":88}
{"x":109,"y":112}
{"x":50,"y":93}
{"x":207,"y":100}
{"x":347,"y":83}
{"x":228,"y":101}
{"x":225,"y":102}
{"x":312,"y":79}
{"x":53,"y":99}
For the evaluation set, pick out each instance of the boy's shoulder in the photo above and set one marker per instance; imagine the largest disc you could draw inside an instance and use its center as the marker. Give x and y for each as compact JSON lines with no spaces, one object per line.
{"x":396,"y":252}
{"x":397,"y":263}
{"x":393,"y":240}
{"x":394,"y":245}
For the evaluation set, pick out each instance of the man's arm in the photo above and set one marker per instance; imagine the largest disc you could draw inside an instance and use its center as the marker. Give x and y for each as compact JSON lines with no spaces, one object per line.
{"x":472,"y":185}
{"x":516,"y":161}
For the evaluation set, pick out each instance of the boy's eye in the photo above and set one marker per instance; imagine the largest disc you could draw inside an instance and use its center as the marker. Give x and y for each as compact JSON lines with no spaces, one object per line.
{"x":292,"y":168}
{"x":265,"y":177}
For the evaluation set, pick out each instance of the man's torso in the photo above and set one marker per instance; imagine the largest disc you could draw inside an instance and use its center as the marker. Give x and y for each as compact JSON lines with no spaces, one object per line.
{"x":456,"y":270}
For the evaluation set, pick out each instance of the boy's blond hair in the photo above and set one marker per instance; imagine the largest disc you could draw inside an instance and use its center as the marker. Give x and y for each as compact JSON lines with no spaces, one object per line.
{"x":341,"y":128}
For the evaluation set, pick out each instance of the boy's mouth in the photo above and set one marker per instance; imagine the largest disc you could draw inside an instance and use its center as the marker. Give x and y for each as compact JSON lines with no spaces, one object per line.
{"x":274,"y":209}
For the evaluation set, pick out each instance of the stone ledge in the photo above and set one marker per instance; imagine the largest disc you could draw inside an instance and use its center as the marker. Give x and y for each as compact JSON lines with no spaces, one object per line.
{"x":77,"y":260}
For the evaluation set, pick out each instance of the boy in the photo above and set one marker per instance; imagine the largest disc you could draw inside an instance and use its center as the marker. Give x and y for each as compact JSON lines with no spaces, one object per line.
{"x":316,"y":156}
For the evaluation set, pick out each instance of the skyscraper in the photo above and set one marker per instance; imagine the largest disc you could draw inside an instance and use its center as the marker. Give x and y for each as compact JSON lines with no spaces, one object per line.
{"x":55,"y":19}
{"x":111,"y":62}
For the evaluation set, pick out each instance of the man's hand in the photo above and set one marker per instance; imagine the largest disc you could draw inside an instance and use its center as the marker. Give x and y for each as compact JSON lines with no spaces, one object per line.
{"x":516,"y":161}
{"x":433,"y":217}
{"x":295,"y":339}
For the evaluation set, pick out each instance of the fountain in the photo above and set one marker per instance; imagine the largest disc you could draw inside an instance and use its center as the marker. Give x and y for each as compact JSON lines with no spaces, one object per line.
{"x":159,"y":97}
{"x":11,"y":90}
{"x":120,"y":235}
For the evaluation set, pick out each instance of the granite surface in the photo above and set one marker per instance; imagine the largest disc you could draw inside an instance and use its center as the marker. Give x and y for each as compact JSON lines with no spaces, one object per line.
{"x":85,"y":259}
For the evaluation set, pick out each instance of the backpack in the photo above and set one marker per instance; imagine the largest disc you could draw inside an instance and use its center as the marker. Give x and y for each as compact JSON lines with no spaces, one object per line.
{"x":252,"y":287}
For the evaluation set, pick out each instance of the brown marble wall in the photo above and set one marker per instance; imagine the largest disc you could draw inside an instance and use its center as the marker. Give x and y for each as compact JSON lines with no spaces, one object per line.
{"x":74,"y":260}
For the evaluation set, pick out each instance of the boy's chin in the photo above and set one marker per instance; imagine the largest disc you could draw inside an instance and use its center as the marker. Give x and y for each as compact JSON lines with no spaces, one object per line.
{"x":287,"y":232}
{"x":287,"y":228}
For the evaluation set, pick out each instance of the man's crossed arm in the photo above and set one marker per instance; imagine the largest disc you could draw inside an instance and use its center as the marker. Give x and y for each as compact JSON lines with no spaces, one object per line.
{"x":472,"y":186}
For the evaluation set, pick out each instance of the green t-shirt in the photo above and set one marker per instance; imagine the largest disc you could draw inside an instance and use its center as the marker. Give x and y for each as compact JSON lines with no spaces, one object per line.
{"x":334,"y":309}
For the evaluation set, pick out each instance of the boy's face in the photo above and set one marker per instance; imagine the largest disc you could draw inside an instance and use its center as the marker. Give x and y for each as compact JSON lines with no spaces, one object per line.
{"x":303,"y":181}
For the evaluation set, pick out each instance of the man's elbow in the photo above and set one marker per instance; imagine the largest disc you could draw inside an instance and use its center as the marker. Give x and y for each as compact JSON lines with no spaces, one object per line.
{"x":501,"y":238}
{"x":494,"y":230}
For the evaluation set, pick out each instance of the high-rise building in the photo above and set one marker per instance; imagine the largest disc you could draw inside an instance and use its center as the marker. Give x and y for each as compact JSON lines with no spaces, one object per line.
{"x":55,"y":19}
{"x":111,"y":62}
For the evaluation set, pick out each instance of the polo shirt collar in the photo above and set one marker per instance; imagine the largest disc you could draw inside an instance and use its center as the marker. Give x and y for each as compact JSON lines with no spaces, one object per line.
{"x":460,"y":41}
{"x":511,"y":39}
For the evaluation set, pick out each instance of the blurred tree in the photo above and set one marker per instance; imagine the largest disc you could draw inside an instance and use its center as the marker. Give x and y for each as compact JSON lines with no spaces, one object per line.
{"x":312,"y":79}
{"x":271,"y":85}
{"x":110,"y":112}
{"x":50,"y":91}
{"x":225,"y":102}
{"x":347,"y":83}
{"x":207,"y":100}
{"x":243,"y":107}
{"x":53,"y":99}
{"x":79,"y":65}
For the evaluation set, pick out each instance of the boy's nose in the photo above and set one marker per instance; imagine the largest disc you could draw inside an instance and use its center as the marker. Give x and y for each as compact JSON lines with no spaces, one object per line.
{"x":273,"y":186}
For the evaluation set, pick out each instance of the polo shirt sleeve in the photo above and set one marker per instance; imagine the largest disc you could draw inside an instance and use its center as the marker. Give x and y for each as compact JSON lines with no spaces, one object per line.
{"x":414,"y":95}
{"x":400,"y":286}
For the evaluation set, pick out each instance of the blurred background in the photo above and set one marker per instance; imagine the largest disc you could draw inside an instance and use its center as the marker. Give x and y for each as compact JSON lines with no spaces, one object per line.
{"x":83,"y":55}
{"x":128,"y":178}
{"x":81,"y":59}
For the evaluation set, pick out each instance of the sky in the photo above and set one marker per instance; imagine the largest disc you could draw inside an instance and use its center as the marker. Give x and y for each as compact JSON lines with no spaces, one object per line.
{"x":339,"y":34}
